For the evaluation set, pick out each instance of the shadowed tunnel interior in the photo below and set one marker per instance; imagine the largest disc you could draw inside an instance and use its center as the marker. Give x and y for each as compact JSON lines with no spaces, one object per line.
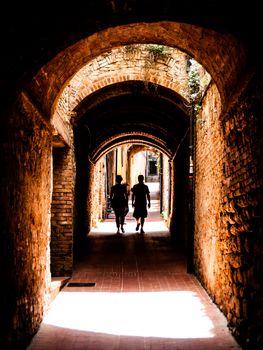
{"x":130,"y":110}
{"x":136,"y":113}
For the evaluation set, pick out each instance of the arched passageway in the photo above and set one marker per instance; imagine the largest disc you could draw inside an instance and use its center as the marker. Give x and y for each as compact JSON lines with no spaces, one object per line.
{"x":76,"y":94}
{"x":128,"y":113}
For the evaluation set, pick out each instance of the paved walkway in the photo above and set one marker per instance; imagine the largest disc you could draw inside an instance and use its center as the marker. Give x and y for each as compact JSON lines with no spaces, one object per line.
{"x":132,"y":292}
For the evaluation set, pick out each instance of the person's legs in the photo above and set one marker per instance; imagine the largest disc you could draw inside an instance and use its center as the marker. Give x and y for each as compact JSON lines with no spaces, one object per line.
{"x":137,"y":218}
{"x":122,"y":221}
{"x":142,"y":223}
{"x":137,"y":224}
{"x":117,"y":220}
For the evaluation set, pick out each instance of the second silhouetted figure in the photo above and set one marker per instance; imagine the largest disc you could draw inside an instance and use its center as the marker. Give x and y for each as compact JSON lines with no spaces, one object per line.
{"x":140,"y":196}
{"x":119,"y":202}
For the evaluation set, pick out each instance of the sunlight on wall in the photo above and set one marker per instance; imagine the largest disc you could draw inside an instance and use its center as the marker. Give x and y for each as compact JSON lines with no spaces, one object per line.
{"x":172,"y":314}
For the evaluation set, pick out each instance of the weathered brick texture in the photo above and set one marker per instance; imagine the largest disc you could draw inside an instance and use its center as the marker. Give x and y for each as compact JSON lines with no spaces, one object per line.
{"x":132,"y":62}
{"x":208,"y":184}
{"x":62,"y":211}
{"x":228,"y":210}
{"x":25,"y":253}
{"x":220,"y":54}
{"x":97,"y":197}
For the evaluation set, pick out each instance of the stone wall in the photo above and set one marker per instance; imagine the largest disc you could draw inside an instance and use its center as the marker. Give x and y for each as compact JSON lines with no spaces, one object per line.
{"x":241,"y":239}
{"x":228,"y":210}
{"x":208,"y":186}
{"x":62,"y":211}
{"x":166,"y":187}
{"x":97,"y":197}
{"x":26,"y":199}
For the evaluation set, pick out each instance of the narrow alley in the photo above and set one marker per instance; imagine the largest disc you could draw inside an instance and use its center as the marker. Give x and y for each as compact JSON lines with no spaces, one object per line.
{"x":132,"y":292}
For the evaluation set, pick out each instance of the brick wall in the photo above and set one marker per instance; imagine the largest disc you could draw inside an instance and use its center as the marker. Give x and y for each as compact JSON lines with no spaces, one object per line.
{"x":62,"y":211}
{"x":208,"y":186}
{"x":25,"y":256}
{"x":97,"y":198}
{"x":166,"y":186}
{"x":228,"y":209}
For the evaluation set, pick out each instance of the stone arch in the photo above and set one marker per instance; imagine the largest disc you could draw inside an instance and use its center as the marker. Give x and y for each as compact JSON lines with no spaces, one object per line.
{"x":204,"y":45}
{"x":128,"y":63}
{"x":134,"y":138}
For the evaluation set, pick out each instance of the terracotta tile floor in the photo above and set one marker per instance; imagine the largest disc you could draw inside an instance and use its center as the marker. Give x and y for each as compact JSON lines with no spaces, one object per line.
{"x":142,"y":299}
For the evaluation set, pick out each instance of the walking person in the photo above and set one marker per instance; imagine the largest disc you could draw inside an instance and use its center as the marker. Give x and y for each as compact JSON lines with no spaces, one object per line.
{"x":140,"y":197}
{"x":119,"y":202}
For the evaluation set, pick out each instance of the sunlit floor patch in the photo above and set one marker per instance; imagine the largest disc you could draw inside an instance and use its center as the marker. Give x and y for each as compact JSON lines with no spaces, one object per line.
{"x":154,"y":314}
{"x":109,"y":226}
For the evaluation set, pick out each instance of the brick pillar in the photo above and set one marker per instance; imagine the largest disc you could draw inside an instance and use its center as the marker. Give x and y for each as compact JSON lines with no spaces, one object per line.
{"x":25,"y":231}
{"x":62,"y":212}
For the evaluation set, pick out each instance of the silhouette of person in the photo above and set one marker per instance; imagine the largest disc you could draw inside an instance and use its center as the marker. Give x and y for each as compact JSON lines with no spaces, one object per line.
{"x":119,"y":202}
{"x":140,"y":196}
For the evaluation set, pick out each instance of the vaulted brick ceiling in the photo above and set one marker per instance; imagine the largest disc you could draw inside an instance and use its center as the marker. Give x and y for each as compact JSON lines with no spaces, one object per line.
{"x":132,"y":112}
{"x":129,"y":94}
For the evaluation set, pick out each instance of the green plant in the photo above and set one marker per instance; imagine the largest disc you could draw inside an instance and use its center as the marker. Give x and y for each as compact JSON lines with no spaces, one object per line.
{"x":194,"y":85}
{"x":164,"y":215}
{"x":157,"y":51}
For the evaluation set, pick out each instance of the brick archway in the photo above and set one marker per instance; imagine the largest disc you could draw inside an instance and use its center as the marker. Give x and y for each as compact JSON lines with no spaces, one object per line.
{"x":206,"y":46}
{"x":152,"y":64}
